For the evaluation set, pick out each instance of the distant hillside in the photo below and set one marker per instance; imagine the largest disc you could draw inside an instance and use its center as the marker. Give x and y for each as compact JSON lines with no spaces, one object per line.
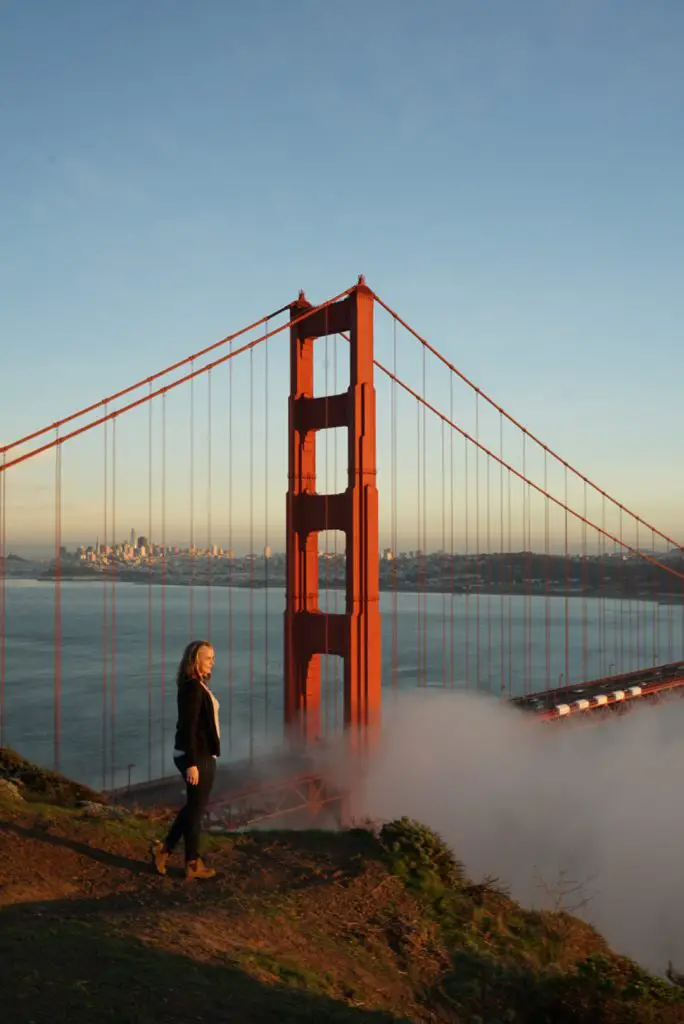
{"x":355,"y":927}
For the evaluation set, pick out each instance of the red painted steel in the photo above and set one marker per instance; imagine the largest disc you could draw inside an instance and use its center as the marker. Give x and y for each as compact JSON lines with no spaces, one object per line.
{"x":309,"y":794}
{"x":355,"y":635}
{"x":612,"y":702}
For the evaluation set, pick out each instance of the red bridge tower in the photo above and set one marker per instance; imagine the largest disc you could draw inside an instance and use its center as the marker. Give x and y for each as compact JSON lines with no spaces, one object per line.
{"x":355,"y":635}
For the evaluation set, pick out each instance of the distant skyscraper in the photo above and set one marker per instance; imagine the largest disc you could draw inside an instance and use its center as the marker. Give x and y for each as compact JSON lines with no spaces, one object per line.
{"x":267,"y":552}
{"x":132,"y":538}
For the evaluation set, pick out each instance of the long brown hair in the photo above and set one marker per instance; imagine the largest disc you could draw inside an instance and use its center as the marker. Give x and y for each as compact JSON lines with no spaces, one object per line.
{"x":187,"y":668}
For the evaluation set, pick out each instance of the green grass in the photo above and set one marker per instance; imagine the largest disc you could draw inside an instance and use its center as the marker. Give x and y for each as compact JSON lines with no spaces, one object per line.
{"x":289,"y":973}
{"x":43,"y":784}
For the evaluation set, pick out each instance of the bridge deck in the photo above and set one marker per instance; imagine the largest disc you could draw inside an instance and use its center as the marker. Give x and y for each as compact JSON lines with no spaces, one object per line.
{"x":246,"y":792}
{"x":601,"y":694}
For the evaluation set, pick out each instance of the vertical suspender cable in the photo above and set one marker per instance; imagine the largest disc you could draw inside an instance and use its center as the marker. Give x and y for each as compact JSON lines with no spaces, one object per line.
{"x":637,"y":587}
{"x":502,"y":685}
{"x":489,"y":577}
{"x":510,"y":584}
{"x":528,"y":597}
{"x":443,"y":559}
{"x":162,"y":637}
{"x":547,"y":599}
{"x":191,"y":579}
{"x":671,"y":625}
{"x":622,"y":602}
{"x":525,"y":495}
{"x":231,"y":553}
{"x":105,"y":612}
{"x":418,"y":545}
{"x":112,"y":637}
{"x":567,"y":585}
{"x":602,"y":601}
{"x":210,"y":539}
{"x":467,"y":565}
{"x":337,"y":670}
{"x":681,"y":588}
{"x":3,"y":594}
{"x":656,"y":600}
{"x":149,"y":588}
{"x":267,"y":550}
{"x":530,"y":506}
{"x":58,"y":605}
{"x":452,"y":675}
{"x":602,"y":597}
{"x":616,"y":601}
{"x":326,"y":506}
{"x":631,"y":575}
{"x":424,"y":544}
{"x":596,"y":584}
{"x":585,"y":617}
{"x":393,"y":514}
{"x":477,"y":540}
{"x":251,"y":553}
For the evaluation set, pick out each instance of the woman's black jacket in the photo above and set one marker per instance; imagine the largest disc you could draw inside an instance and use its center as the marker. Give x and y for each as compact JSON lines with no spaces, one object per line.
{"x":196,"y":733}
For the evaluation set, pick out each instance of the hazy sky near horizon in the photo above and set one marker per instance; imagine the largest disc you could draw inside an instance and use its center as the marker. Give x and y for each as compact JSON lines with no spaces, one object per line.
{"x":508,"y":176}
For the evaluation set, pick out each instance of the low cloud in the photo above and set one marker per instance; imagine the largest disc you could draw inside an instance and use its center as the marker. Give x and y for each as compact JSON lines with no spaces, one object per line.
{"x":600,"y":804}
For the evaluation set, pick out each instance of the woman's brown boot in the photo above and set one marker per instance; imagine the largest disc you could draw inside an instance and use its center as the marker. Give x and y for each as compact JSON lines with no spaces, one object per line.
{"x":197,"y":869}
{"x":159,"y":856}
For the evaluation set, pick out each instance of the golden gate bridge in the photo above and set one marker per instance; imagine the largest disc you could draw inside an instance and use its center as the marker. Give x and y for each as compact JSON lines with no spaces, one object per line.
{"x":541,"y":588}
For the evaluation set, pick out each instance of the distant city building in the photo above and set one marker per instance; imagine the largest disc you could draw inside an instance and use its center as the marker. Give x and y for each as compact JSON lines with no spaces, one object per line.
{"x":267,"y":552}
{"x":387,"y":555}
{"x":142,"y":542}
{"x":132,"y":537}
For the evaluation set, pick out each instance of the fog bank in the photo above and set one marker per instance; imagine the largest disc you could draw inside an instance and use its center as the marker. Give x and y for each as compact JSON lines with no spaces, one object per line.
{"x":525,"y":802}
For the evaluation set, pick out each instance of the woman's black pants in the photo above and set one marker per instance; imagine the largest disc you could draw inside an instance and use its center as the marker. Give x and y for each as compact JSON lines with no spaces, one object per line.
{"x":188,"y":821}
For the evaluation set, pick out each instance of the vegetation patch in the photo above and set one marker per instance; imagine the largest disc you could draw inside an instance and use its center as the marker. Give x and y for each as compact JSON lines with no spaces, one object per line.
{"x":511,"y":965}
{"x":38,"y":783}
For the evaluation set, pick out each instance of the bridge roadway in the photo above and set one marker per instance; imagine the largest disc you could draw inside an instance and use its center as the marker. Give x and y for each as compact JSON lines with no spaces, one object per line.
{"x":611,"y":693}
{"x":248,"y":792}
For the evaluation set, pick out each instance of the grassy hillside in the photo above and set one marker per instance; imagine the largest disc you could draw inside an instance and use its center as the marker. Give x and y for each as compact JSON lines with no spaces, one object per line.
{"x":351,"y":927}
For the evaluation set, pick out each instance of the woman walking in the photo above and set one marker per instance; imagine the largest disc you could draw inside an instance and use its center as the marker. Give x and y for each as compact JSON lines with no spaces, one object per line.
{"x":196,"y":748}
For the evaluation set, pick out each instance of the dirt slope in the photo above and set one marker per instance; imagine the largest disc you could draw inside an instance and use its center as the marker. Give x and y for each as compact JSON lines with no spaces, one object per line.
{"x":301,"y":926}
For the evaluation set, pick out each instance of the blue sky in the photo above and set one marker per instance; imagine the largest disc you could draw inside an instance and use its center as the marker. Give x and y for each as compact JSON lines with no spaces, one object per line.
{"x":507,"y":175}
